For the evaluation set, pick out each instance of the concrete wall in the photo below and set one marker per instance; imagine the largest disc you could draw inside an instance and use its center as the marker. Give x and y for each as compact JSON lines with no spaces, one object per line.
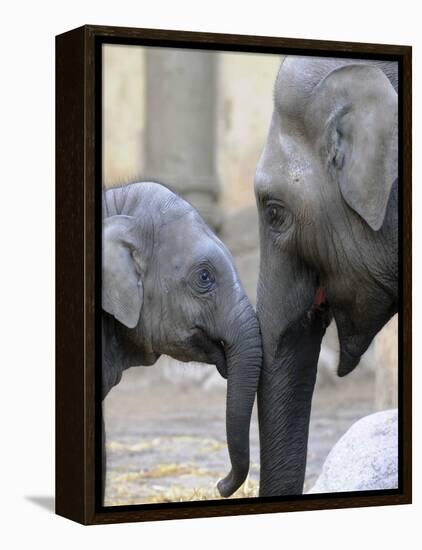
{"x":244,"y":107}
{"x":387,"y":359}
{"x":123,"y":113}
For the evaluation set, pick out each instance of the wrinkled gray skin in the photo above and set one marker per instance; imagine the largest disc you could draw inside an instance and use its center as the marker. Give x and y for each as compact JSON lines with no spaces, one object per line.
{"x":326,"y":191}
{"x":170,"y":287}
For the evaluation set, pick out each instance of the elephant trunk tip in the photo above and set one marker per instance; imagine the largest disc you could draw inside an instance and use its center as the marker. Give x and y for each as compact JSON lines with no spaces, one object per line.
{"x":231,"y":483}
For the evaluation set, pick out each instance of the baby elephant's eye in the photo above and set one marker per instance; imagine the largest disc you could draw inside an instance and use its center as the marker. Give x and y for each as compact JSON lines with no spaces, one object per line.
{"x":203,"y":280}
{"x":205,"y":275}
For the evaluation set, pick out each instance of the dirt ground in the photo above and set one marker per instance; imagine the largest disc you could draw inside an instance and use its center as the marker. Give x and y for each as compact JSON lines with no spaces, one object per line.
{"x":166,"y":442}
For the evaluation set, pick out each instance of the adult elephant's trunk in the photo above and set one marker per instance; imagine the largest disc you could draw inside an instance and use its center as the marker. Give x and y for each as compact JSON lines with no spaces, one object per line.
{"x":284,"y":407}
{"x":292,"y":326}
{"x":243,"y":351}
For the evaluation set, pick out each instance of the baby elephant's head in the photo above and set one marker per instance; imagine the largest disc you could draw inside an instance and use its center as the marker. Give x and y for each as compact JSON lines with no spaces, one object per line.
{"x":172,"y":285}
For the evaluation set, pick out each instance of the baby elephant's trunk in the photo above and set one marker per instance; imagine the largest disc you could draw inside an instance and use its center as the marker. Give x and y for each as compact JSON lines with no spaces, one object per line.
{"x":244,"y":357}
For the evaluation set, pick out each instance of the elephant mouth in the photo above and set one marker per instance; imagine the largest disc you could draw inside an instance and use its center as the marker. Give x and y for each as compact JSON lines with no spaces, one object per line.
{"x":317,"y":316}
{"x":209,"y":351}
{"x":350,"y":353}
{"x":217,"y":357}
{"x":320,"y":297}
{"x":320,"y":307}
{"x":221,"y":362}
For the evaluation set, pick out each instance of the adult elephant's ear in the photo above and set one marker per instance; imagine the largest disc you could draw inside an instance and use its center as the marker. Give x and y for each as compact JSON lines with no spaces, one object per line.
{"x":362,"y":141}
{"x":122,"y":289}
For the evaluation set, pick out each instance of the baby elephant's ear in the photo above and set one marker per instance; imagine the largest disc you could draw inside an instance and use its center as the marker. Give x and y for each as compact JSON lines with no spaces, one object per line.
{"x":122,"y":289}
{"x":364,"y":138}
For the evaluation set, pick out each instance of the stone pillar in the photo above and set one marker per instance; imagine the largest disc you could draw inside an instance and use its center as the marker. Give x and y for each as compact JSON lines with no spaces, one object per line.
{"x":180,"y":132}
{"x":386,"y":361}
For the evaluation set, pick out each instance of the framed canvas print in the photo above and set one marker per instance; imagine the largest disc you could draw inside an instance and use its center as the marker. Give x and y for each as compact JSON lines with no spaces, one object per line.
{"x":233,"y":274}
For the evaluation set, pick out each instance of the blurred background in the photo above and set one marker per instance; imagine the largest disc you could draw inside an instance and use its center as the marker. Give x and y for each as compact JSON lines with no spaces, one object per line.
{"x":197,"y":121}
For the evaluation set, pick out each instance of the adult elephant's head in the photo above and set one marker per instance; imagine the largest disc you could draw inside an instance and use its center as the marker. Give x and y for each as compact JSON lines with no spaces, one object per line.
{"x":172,"y":288}
{"x":326,"y":190}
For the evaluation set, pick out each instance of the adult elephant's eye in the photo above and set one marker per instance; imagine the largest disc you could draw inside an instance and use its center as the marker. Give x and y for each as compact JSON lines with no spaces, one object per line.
{"x":275,"y":215}
{"x":338,"y":158}
{"x":337,"y":154}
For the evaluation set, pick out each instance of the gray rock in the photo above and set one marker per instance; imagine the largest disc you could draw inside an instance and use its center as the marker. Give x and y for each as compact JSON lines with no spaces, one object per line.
{"x":365,"y":458}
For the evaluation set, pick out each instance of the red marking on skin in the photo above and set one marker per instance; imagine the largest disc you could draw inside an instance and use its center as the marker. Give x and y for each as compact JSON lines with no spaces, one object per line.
{"x":319,"y":297}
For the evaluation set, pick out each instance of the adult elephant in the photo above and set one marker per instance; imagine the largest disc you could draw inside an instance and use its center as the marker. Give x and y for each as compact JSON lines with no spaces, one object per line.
{"x":326,"y":191}
{"x":170,"y":287}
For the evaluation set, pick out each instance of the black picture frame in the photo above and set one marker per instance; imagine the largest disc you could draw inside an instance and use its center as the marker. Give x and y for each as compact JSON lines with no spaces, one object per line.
{"x":78,"y":264}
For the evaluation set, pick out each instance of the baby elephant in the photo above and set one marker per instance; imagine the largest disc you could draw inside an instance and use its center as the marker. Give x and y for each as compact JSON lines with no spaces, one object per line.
{"x":170,"y":287}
